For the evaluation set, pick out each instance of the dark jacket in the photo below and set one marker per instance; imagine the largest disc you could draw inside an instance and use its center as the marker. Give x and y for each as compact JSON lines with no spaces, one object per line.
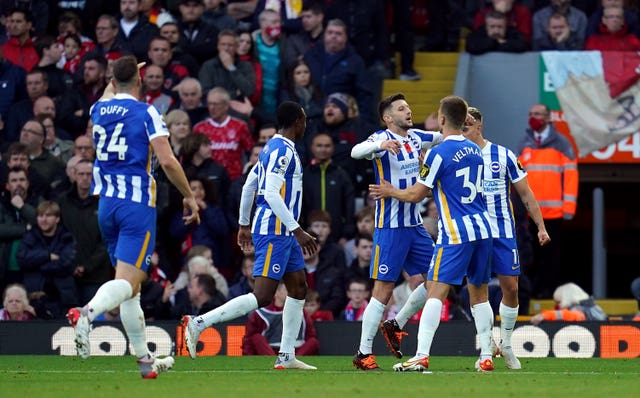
{"x":478,"y":42}
{"x":60,"y":81}
{"x":12,"y":87}
{"x":213,"y":232}
{"x":80,"y":217}
{"x":342,"y":72}
{"x":366,"y":27}
{"x":337,"y":196}
{"x":203,"y":46}
{"x":13,"y":225}
{"x":545,"y":43}
{"x":329,"y":279}
{"x":140,"y":37}
{"x":239,"y":83}
{"x":43,"y":274}
{"x":182,"y":305}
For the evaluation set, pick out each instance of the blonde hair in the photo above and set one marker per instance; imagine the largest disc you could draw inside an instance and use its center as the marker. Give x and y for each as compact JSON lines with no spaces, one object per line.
{"x":16,"y":287}
{"x":569,"y":294}
{"x":175,"y":116}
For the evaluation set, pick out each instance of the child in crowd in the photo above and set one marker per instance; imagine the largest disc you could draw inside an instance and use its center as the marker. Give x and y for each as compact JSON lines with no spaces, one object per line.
{"x":358,"y":293}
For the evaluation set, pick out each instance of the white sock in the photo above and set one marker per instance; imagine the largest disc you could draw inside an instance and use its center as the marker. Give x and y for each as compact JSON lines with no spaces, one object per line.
{"x":110,"y":295}
{"x":508,"y":316}
{"x":484,"y":319}
{"x":232,"y":309}
{"x":132,"y":318}
{"x":291,"y":321}
{"x":370,"y":321}
{"x":415,"y":303}
{"x":429,"y":322}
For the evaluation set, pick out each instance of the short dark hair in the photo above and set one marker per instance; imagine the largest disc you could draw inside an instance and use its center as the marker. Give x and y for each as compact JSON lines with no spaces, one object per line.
{"x":125,"y":70}
{"x":319,"y":215}
{"x":288,"y":113}
{"x":385,"y":103}
{"x":207,"y":283}
{"x":361,"y":236}
{"x":454,"y":109}
{"x":99,"y":58}
{"x":313,"y":6}
{"x":43,"y":43}
{"x":17,"y":148}
{"x":18,"y":169}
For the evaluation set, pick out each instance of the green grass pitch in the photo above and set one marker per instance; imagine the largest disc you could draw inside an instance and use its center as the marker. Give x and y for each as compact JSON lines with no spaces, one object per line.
{"x":247,"y":377}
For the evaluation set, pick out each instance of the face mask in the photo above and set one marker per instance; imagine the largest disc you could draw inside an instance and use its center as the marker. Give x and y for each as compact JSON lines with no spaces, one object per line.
{"x":536,"y":124}
{"x":273,"y":31}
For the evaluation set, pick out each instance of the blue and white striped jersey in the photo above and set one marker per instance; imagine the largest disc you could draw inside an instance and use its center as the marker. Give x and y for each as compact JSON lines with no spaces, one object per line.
{"x":501,"y":169}
{"x":453,"y":170}
{"x":122,"y":130}
{"x":280,"y":159}
{"x":401,"y":171}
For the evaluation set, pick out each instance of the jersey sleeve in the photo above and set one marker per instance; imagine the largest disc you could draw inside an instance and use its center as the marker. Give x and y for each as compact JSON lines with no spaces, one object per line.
{"x":429,"y":138}
{"x":156,"y":127}
{"x":369,"y":148}
{"x":430,"y":169}
{"x":515,"y":169}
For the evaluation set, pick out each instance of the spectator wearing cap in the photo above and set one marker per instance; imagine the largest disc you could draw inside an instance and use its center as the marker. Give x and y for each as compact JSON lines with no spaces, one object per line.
{"x":337,"y":67}
{"x":345,"y":132}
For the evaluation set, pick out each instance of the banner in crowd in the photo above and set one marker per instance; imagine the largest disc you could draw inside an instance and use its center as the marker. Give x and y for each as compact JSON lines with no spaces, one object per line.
{"x":598,"y":96}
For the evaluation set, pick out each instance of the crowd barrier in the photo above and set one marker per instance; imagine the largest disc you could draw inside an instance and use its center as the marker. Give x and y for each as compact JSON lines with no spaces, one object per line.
{"x":456,"y":338}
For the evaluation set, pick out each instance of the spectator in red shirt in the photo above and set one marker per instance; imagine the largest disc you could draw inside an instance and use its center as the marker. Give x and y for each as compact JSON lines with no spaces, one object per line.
{"x":264,"y":330}
{"x":614,"y":35}
{"x":20,"y":49}
{"x":229,"y":136}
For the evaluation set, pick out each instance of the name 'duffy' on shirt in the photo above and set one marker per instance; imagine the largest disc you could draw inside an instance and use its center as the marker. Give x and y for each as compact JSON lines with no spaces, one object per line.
{"x":113,"y":109}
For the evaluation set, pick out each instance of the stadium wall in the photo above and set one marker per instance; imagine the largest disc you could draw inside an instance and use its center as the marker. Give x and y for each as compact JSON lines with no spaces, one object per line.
{"x":503,"y":86}
{"x":456,"y":338}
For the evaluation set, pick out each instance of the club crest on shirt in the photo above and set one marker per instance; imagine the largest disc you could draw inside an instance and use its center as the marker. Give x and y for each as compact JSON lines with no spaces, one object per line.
{"x":424,"y":171}
{"x":520,"y":166}
{"x":495,"y":167}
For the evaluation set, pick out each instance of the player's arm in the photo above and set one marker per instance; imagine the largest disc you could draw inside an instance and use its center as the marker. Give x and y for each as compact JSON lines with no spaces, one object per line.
{"x":413,"y":194}
{"x":531,"y":204}
{"x":373,"y":144}
{"x":175,"y":173}
{"x":246,"y":201}
{"x":273,"y":184}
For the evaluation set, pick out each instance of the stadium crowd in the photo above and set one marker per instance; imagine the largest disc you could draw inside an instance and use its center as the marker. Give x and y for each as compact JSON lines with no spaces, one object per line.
{"x":217,"y":70}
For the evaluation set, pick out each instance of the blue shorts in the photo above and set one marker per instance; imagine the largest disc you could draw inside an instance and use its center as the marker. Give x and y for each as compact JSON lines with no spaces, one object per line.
{"x":451,"y":263}
{"x":505,"y":259}
{"x":128,"y":230}
{"x":397,"y":248}
{"x":276,"y":256}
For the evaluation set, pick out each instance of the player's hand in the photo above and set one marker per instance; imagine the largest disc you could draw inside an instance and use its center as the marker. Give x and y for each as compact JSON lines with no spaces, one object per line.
{"x":244,"y":238}
{"x":190,"y":213}
{"x":543,"y":237}
{"x":308,"y":243}
{"x":381,"y":191}
{"x":391,"y":146}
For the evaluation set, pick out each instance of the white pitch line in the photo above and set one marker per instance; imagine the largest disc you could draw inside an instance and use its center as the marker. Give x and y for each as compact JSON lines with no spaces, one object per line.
{"x":271,"y":371}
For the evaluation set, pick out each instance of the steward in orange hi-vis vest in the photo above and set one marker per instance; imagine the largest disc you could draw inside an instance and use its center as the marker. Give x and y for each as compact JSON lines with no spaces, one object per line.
{"x":553,"y":172}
